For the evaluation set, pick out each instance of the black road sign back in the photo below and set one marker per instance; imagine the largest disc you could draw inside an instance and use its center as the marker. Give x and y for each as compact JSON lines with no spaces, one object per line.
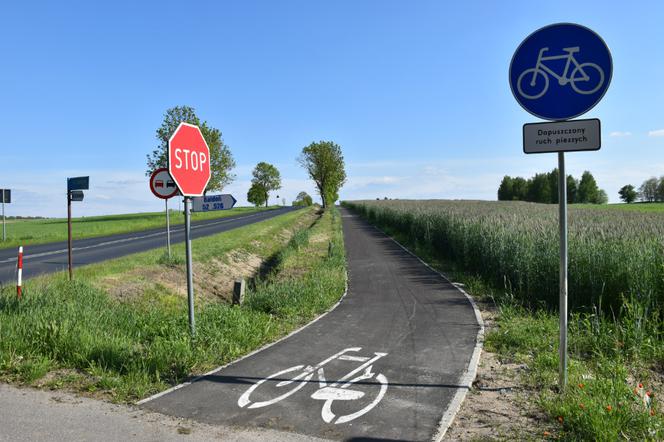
{"x":5,"y":196}
{"x":77,"y":195}
{"x":78,"y":183}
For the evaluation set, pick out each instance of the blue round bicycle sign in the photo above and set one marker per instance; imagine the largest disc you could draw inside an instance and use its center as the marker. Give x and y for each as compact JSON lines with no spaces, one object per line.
{"x":560,"y":71}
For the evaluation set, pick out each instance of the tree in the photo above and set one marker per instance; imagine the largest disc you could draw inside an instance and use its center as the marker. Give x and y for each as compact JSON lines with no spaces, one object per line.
{"x":648,"y":190}
{"x":324,"y":163}
{"x":588,"y":190}
{"x":506,"y":189}
{"x":539,"y":190}
{"x":602,"y":197}
{"x":303,"y":199}
{"x":519,"y":188}
{"x":553,"y":186}
{"x":221,"y":159}
{"x":256,"y":195}
{"x":266,"y":179}
{"x":659,"y":194}
{"x":572,"y":186}
{"x":627,"y":193}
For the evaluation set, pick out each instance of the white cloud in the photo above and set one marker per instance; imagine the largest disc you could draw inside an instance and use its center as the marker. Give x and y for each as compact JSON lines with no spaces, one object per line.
{"x":656,"y":133}
{"x":620,"y":134}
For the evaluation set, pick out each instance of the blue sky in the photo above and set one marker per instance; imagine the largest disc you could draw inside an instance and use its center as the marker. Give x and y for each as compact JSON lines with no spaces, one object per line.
{"x":416,"y":93}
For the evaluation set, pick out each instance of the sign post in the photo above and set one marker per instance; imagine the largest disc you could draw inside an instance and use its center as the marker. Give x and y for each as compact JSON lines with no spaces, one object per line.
{"x":6,"y":196}
{"x":75,"y":186}
{"x":189,"y":165}
{"x":541,"y":88}
{"x":168,"y":229}
{"x":163,"y":186}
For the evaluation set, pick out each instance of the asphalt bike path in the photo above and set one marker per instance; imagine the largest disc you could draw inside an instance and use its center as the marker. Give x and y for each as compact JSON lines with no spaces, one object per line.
{"x":52,"y":257}
{"x":390,"y":362}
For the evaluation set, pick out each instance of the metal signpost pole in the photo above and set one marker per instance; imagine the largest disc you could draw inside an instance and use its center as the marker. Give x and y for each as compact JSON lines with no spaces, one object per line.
{"x":189,"y":168}
{"x":168,"y":230}
{"x":69,"y":231}
{"x":190,"y":279}
{"x":562,"y":203}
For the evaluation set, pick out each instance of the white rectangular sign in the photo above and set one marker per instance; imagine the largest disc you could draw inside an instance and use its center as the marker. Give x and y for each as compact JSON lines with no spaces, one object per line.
{"x":562,"y":136}
{"x":208,"y":203}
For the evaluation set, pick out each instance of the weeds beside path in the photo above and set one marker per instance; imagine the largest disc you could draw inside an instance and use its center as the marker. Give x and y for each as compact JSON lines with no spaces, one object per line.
{"x":75,"y":335}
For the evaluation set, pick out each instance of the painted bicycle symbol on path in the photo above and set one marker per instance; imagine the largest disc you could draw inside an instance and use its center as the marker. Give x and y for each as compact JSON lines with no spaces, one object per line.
{"x":585,"y":78}
{"x":295,"y":378}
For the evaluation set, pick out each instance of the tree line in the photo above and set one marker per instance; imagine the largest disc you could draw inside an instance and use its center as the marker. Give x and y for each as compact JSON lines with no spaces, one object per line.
{"x":543,"y":188}
{"x":650,"y":191}
{"x":323,"y":161}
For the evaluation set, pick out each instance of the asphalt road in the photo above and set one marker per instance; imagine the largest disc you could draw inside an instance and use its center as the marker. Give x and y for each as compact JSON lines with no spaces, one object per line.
{"x":385,"y":364}
{"x":52,"y":257}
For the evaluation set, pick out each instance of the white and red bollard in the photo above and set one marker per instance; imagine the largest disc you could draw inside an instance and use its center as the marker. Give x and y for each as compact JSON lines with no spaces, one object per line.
{"x":19,"y":272}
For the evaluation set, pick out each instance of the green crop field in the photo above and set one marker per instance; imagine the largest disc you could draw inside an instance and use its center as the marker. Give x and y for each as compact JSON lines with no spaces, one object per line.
{"x":636,"y":207}
{"x":38,"y":231}
{"x":507,"y":254}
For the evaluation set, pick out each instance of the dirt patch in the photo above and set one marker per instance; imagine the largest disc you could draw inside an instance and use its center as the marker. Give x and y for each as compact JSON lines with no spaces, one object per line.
{"x":71,"y":378}
{"x":318,"y":238}
{"x":218,"y":276}
{"x":132,"y":284}
{"x":212,"y":280}
{"x":497,"y":407}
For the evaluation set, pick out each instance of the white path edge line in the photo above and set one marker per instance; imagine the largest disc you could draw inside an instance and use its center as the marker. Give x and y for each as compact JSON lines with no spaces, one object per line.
{"x":468,"y":376}
{"x":248,"y":355}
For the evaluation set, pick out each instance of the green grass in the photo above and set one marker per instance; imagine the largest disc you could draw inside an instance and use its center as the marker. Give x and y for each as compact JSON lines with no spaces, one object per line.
{"x":128,"y":349}
{"x":607,"y":380}
{"x":612,"y":350}
{"x":40,"y":231}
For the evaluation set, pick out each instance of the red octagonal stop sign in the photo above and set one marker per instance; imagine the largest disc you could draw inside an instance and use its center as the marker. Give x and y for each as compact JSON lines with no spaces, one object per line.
{"x":189,"y":160}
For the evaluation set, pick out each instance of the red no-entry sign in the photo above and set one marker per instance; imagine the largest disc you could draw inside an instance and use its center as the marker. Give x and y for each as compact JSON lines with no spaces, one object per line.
{"x":189,"y":160}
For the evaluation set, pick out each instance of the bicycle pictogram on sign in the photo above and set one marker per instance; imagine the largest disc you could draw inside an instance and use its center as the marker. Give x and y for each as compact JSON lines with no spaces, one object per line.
{"x":293,"y":379}
{"x":585,"y":78}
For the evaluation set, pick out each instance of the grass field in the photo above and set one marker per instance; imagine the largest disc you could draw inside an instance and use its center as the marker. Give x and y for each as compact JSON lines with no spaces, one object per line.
{"x":39,"y":231}
{"x":508,"y":252}
{"x":127,"y":343}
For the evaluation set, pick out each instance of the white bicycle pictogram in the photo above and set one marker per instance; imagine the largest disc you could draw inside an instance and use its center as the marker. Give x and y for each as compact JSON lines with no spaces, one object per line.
{"x":579,"y":78}
{"x":337,"y":391}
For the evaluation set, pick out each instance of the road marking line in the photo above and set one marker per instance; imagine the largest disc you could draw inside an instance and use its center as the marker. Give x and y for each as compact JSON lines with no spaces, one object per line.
{"x":353,"y":358}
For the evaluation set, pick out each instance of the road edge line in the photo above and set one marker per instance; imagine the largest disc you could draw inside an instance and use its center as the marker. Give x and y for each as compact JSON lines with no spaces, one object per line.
{"x":468,"y":376}
{"x":265,"y":347}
